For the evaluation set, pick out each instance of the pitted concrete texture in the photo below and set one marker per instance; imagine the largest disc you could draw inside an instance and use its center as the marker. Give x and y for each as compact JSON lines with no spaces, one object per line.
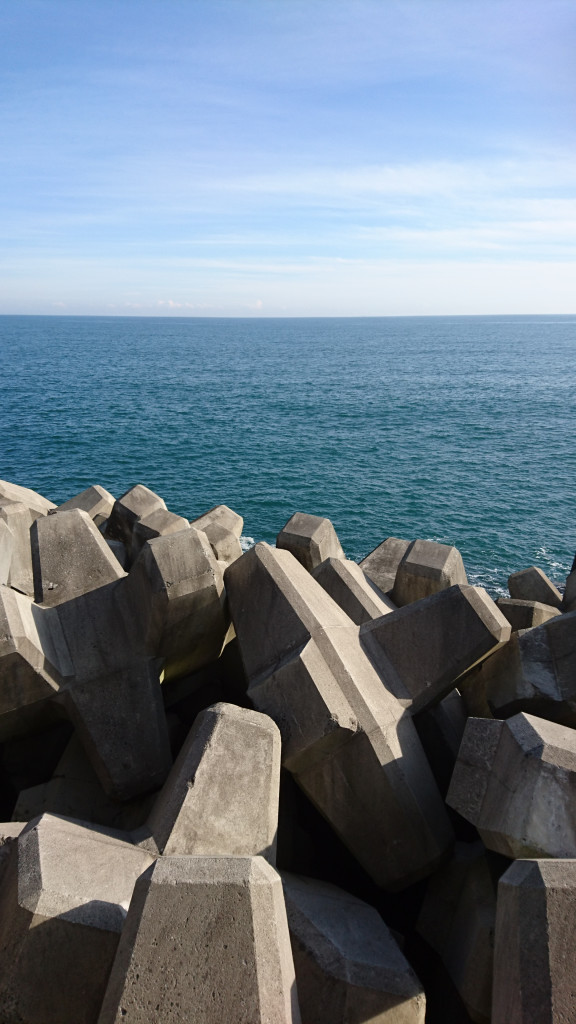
{"x":70,"y":557}
{"x":137,"y":501}
{"x":457,"y":920}
{"x":348,"y":966}
{"x":95,"y":500}
{"x":535,"y":672}
{"x":205,"y":940}
{"x":516,"y":782}
{"x":221,"y":797}
{"x":346,"y":584}
{"x":32,"y":500}
{"x":525,"y":614}
{"x":382,"y":563}
{"x":345,"y":738}
{"x":420,"y":650}
{"x":223,"y":527}
{"x":535,"y":940}
{"x":425,"y":569}
{"x":63,"y":902}
{"x":533,"y":585}
{"x":176,"y":591}
{"x":311,"y":539}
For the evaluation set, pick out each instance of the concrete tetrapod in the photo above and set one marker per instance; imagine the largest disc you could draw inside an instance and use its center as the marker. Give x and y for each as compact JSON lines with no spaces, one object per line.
{"x":352,"y":590}
{"x":69,"y":557}
{"x":311,"y":539}
{"x":525,"y":614}
{"x":382,"y":563}
{"x":348,"y":966}
{"x":535,"y":942}
{"x":18,"y":519}
{"x":205,"y":940}
{"x":425,"y":569}
{"x":345,"y":738}
{"x":420,"y":650}
{"x":157,"y":523}
{"x":95,"y":500}
{"x":516,"y":782}
{"x":221,"y":797}
{"x":533,"y":585}
{"x":137,"y":501}
{"x":63,"y":901}
{"x":223,"y":527}
{"x":34,"y":501}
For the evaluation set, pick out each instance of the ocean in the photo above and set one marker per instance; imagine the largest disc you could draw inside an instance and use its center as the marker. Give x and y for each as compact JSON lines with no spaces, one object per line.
{"x":455,"y":429}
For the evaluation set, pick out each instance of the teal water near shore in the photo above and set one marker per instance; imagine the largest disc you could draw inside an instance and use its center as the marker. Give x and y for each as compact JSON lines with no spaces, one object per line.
{"x":457,"y":429}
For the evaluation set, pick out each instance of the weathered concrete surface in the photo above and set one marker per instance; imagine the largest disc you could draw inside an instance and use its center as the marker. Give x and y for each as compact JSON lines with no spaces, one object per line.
{"x":534,"y":960}
{"x":221,"y":797}
{"x":516,"y":782}
{"x":348,"y":966}
{"x":205,"y":940}
{"x":136,"y":502}
{"x":69,"y":557}
{"x":18,"y":518}
{"x":381,"y":564}
{"x":346,"y":584}
{"x":533,"y":585}
{"x":345,"y":737}
{"x":534,"y":672}
{"x":176,"y":590}
{"x":95,"y":500}
{"x":425,"y":569}
{"x":9,"y":832}
{"x":311,"y":539}
{"x":525,"y":614}
{"x":420,"y":650}
{"x":32,"y":500}
{"x":457,"y":920}
{"x":223,"y":527}
{"x":62,"y":906}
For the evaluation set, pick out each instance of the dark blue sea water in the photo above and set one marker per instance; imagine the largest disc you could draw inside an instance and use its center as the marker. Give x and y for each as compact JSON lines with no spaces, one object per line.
{"x":458,"y":429}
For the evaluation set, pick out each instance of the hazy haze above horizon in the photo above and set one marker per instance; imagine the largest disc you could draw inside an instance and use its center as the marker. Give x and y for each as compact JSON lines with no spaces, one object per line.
{"x":288,"y":157}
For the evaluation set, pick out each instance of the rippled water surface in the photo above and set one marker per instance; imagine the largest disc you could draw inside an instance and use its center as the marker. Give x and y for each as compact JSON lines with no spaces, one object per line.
{"x":459,"y":429}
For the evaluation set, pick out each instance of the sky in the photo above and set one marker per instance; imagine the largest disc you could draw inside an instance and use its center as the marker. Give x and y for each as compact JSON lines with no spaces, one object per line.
{"x":287,"y":157}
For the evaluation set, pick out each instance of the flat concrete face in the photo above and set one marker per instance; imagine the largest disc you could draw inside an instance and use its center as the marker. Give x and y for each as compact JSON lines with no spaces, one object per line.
{"x":221,"y":797}
{"x":457,"y":920}
{"x":533,"y":585}
{"x":6,"y":548}
{"x":420,"y":651}
{"x":95,"y":500}
{"x":17,"y":518}
{"x":33,"y":500}
{"x":525,"y":614}
{"x":223,"y":527}
{"x":381,"y":564}
{"x":344,"y":736}
{"x":69,"y":557}
{"x":176,"y":591}
{"x":346,"y":584}
{"x":348,"y":966}
{"x":425,"y":569}
{"x":32,"y":658}
{"x":311,"y":539}
{"x":62,"y":906}
{"x":516,"y":782}
{"x":136,"y":502}
{"x":535,"y":672}
{"x":206,"y":939}
{"x":534,"y":979}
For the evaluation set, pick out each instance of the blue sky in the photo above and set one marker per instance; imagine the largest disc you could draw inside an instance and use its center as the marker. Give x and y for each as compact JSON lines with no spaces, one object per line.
{"x":287,"y":157}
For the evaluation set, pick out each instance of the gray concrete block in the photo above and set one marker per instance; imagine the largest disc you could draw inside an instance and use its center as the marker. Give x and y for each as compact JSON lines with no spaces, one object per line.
{"x":6,"y":548}
{"x":205,"y":939}
{"x":69,"y":557}
{"x":221,"y":797}
{"x":440,"y":729}
{"x":382,"y":563}
{"x":348,"y":966}
{"x":157,"y":523}
{"x":533,"y":585}
{"x":63,"y":902}
{"x":345,"y":738}
{"x":223,"y":527}
{"x":421,"y":650}
{"x":535,"y":672}
{"x":356,"y":595}
{"x":34,"y":501}
{"x":136,"y":502}
{"x":176,"y":590}
{"x":311,"y":539}
{"x":95,"y":500}
{"x":18,"y":518}
{"x":516,"y":782}
{"x":425,"y":569}
{"x":534,"y":978}
{"x":525,"y":614}
{"x":457,"y":920}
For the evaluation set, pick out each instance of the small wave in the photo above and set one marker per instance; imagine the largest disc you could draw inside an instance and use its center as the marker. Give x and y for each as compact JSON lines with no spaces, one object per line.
{"x":246,"y":543}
